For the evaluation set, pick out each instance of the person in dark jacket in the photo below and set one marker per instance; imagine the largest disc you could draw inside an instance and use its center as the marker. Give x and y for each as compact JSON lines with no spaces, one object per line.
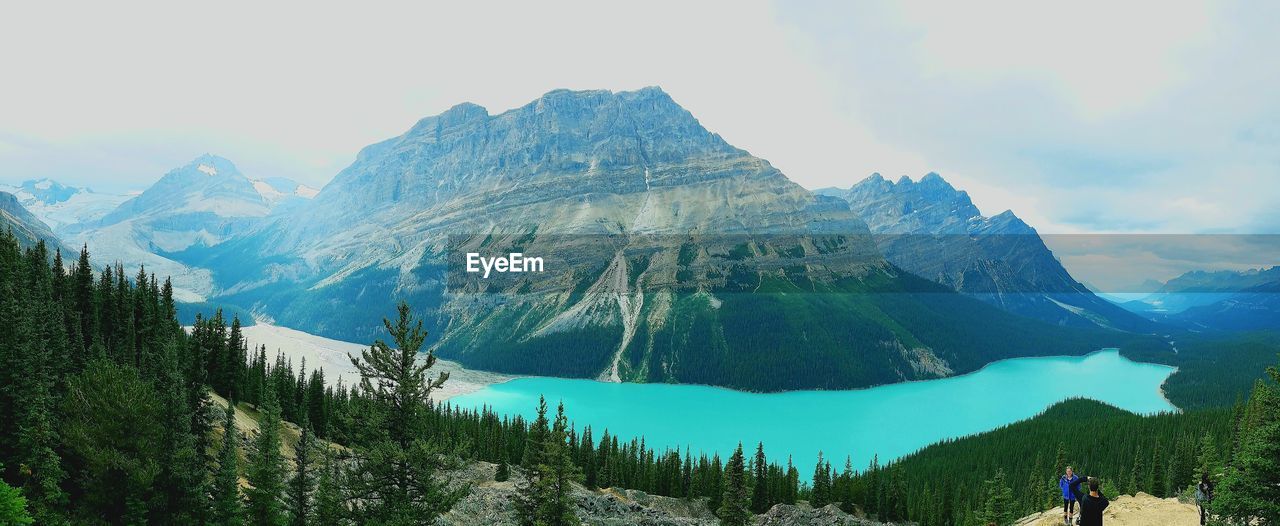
{"x":1204,"y":495}
{"x":1093,"y":504}
{"x":1069,"y":483}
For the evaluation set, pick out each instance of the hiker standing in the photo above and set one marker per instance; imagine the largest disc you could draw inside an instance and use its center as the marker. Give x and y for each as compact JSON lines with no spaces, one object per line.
{"x":1204,"y":495}
{"x":1092,"y":505}
{"x":1069,"y":483}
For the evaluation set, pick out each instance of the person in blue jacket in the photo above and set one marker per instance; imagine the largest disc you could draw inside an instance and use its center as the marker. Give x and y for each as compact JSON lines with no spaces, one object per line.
{"x":1069,"y":483}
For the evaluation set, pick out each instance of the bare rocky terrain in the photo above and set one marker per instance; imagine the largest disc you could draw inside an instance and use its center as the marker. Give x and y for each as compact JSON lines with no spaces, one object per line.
{"x":490,"y":503}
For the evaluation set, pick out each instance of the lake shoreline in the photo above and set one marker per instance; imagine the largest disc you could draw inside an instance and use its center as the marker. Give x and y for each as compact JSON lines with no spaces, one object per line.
{"x":509,"y":377}
{"x":888,"y":421}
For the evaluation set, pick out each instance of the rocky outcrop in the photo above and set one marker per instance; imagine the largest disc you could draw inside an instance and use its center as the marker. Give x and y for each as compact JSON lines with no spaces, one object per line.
{"x":490,"y":503}
{"x":829,"y":515}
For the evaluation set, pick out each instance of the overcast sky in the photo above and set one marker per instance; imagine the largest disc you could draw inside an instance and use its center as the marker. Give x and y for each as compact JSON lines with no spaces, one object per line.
{"x":1080,"y":117}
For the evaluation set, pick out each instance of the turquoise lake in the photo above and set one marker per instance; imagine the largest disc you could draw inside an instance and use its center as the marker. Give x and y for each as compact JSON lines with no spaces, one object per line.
{"x":889,"y":421}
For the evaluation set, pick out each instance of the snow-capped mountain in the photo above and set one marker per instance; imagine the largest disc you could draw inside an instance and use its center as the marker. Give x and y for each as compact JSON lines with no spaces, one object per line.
{"x":190,"y":208}
{"x":933,"y":230}
{"x":63,"y":208}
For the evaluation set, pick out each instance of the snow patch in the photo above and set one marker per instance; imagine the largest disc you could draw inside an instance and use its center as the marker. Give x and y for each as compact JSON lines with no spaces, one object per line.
{"x":267,"y":191}
{"x":305,"y":192}
{"x":208,"y":170}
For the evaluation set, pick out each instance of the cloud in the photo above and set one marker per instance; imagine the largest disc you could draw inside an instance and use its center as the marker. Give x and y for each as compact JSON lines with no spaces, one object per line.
{"x":1094,"y":117}
{"x":1089,"y":117}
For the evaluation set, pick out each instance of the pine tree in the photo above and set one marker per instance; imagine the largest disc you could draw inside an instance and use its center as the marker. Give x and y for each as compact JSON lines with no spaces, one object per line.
{"x":1182,"y":467}
{"x":821,"y":484}
{"x":544,"y":497}
{"x":1250,"y":491}
{"x":1156,"y":472}
{"x":235,"y":362}
{"x":999,"y":507}
{"x":111,"y":428}
{"x":760,"y":492}
{"x":792,"y":484}
{"x":37,"y":437}
{"x":396,"y":471}
{"x":1059,"y":468}
{"x":266,"y":470}
{"x":1138,"y":478}
{"x":504,"y":471}
{"x":733,"y":509}
{"x":184,"y":478}
{"x":330,"y":506}
{"x":228,"y":505}
{"x":1208,"y":462}
{"x":539,"y":434}
{"x":304,"y":479}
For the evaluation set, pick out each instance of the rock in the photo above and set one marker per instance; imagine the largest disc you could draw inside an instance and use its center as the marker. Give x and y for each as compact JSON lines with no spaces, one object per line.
{"x":492,"y":503}
{"x":803,"y":515}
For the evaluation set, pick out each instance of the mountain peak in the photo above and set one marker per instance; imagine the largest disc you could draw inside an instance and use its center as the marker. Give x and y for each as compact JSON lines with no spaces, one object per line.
{"x":210,"y":165}
{"x":932,"y":178}
{"x":46,"y":191}
{"x":464,"y":112}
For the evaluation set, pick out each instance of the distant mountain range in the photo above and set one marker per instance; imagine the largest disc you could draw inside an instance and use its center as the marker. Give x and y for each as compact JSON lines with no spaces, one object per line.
{"x":1217,"y":300}
{"x":677,"y":257}
{"x":200,"y":204}
{"x":934,"y":231}
{"x":63,"y":207}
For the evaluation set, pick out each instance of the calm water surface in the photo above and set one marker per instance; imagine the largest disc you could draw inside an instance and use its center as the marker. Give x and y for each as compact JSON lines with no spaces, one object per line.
{"x":890,"y":421}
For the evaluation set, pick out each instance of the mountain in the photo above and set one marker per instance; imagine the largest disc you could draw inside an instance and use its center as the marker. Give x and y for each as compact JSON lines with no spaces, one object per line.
{"x":200,"y":204}
{"x":1199,"y":288}
{"x":1218,"y":300}
{"x":64,"y":208}
{"x":26,"y":226}
{"x":673,"y":257}
{"x":1255,"y":307}
{"x":933,"y":230}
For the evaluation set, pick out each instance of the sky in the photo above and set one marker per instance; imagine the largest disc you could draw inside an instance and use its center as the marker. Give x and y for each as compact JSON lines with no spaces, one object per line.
{"x":1082,"y":117}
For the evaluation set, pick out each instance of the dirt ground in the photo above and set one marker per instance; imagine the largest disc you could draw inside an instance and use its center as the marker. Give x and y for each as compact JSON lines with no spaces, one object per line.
{"x":1127,"y":510}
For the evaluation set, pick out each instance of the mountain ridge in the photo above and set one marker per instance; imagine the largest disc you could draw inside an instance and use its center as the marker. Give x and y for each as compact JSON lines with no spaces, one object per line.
{"x":934,"y":230}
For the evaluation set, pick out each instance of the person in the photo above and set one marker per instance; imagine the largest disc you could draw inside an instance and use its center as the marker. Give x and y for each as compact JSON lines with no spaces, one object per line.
{"x":1204,"y":495}
{"x":1093,"y":504}
{"x":1069,"y":483}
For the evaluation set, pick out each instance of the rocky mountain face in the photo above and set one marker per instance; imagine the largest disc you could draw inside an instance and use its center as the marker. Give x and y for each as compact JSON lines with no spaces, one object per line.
{"x":674,"y":257}
{"x":64,"y":208}
{"x":26,"y":226}
{"x":933,"y":230}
